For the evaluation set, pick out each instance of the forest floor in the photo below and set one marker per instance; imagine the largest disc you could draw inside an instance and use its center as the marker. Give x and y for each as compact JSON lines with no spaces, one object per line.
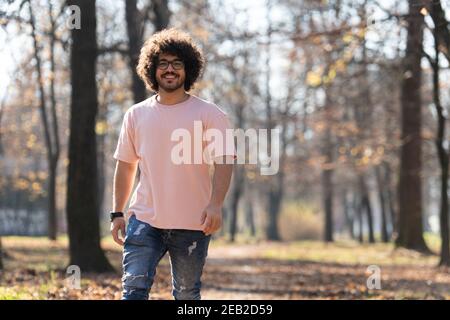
{"x":35,"y":269}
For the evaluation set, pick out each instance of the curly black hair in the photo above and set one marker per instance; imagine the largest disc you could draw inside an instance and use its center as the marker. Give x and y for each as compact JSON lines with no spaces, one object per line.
{"x":175,"y":42}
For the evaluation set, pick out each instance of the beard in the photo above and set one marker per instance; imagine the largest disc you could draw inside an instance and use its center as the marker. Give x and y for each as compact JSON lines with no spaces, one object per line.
{"x":170,"y":85}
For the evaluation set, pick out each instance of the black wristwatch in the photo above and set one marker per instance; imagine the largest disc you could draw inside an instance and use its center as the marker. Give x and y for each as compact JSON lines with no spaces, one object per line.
{"x":114,"y":215}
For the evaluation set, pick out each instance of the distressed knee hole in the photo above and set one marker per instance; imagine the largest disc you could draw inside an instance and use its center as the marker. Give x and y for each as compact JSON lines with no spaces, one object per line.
{"x":135,"y":281}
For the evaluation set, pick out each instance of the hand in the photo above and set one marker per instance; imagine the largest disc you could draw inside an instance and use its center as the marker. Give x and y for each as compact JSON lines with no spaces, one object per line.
{"x":116,"y":225}
{"x":211,"y":219}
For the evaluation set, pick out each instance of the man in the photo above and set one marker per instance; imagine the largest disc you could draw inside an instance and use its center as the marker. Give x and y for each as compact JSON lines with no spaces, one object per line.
{"x":175,"y":207}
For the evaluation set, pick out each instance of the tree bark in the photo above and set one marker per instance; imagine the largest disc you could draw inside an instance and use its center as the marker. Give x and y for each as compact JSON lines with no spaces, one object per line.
{"x":347,"y":214}
{"x":136,"y":20}
{"x":53,"y":214}
{"x":410,"y":228}
{"x":1,"y":255}
{"x":275,"y":198}
{"x":249,"y":213}
{"x":238,"y":184}
{"x":383,"y":203}
{"x":82,"y":198}
{"x":327,"y":189}
{"x":135,"y":31}
{"x":328,"y":172}
{"x":366,"y":206}
{"x":360,"y":218}
{"x":443,"y":29}
{"x":390,"y":190}
{"x":442,"y":150}
{"x":51,"y":136}
{"x":161,"y":14}
{"x":273,"y":192}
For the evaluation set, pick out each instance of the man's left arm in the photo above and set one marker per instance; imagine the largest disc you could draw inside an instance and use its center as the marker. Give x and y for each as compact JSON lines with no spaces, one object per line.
{"x":212,"y":214}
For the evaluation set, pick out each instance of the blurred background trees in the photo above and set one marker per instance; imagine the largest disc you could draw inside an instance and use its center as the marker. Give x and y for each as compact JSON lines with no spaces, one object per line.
{"x":359,"y":91}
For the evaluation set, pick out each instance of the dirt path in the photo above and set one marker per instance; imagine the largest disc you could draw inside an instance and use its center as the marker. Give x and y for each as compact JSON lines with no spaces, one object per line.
{"x":240,"y":273}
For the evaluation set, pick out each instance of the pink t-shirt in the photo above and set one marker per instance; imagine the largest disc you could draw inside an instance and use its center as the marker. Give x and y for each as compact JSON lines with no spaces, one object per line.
{"x":172,"y":193}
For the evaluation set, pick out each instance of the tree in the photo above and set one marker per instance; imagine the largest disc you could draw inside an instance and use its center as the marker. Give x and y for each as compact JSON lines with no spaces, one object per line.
{"x":136,"y":20}
{"x":328,"y":170}
{"x":440,"y":32}
{"x":277,"y":111}
{"x":50,"y":125}
{"x":82,"y":197}
{"x":410,"y":226}
{"x":135,"y":31}
{"x":383,"y":203}
{"x":1,"y":255}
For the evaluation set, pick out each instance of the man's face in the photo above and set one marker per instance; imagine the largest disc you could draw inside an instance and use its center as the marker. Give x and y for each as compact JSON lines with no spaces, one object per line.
{"x":170,"y":73}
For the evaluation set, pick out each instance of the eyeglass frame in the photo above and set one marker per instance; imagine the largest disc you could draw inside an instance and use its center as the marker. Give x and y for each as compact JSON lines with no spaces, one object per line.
{"x":170,"y":63}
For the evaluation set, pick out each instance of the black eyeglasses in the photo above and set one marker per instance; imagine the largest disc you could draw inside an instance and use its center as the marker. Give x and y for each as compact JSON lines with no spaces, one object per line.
{"x":176,"y":64}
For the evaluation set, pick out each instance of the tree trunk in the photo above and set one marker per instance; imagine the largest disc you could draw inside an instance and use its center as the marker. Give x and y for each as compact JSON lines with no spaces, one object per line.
{"x":327,"y":190}
{"x":2,"y":112}
{"x":52,"y":213}
{"x":369,"y":213}
{"x":1,"y":255}
{"x":52,"y":145}
{"x":366,"y":206}
{"x":249,"y":213}
{"x":101,"y":152}
{"x":410,"y":228}
{"x":276,"y":185}
{"x":276,"y":192}
{"x":161,"y":14}
{"x":54,"y":120}
{"x":360,"y":219}
{"x":53,"y":172}
{"x":135,"y":29}
{"x":382,"y":198}
{"x":443,"y":160}
{"x":442,"y":150}
{"x":390,"y":190}
{"x":272,"y":223}
{"x":347,"y":214}
{"x":236,"y":194}
{"x":443,"y":29}
{"x":327,"y":173}
{"x":225,"y":220}
{"x":328,"y":165}
{"x":275,"y":198}
{"x":82,"y":198}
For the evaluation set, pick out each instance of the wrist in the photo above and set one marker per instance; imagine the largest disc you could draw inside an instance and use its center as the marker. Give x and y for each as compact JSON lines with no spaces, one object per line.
{"x":116,"y":214}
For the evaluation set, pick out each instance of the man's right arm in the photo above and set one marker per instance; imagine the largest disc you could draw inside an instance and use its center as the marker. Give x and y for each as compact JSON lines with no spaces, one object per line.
{"x":124,"y":176}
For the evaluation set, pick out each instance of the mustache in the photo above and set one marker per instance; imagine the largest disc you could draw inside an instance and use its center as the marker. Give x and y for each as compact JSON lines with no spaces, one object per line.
{"x":169,"y":74}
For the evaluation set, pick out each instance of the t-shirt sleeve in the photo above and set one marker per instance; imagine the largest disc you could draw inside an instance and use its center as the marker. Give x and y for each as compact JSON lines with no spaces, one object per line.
{"x":126,"y":147}
{"x":221,"y":138}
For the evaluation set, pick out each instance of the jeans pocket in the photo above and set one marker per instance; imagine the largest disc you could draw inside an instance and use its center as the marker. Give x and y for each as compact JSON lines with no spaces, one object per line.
{"x":137,"y":231}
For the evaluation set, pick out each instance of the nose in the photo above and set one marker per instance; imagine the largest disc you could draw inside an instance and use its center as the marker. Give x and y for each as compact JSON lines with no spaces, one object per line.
{"x":170,"y":68}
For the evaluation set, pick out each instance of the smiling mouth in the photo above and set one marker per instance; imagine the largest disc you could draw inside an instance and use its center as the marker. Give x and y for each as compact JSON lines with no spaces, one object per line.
{"x":170,"y":77}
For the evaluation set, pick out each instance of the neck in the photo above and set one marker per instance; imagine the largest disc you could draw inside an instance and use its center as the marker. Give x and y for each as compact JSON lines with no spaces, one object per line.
{"x":173,"y":97}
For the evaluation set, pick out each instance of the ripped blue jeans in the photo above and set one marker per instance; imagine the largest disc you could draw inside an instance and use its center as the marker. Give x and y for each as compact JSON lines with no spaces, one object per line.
{"x":146,"y":245}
